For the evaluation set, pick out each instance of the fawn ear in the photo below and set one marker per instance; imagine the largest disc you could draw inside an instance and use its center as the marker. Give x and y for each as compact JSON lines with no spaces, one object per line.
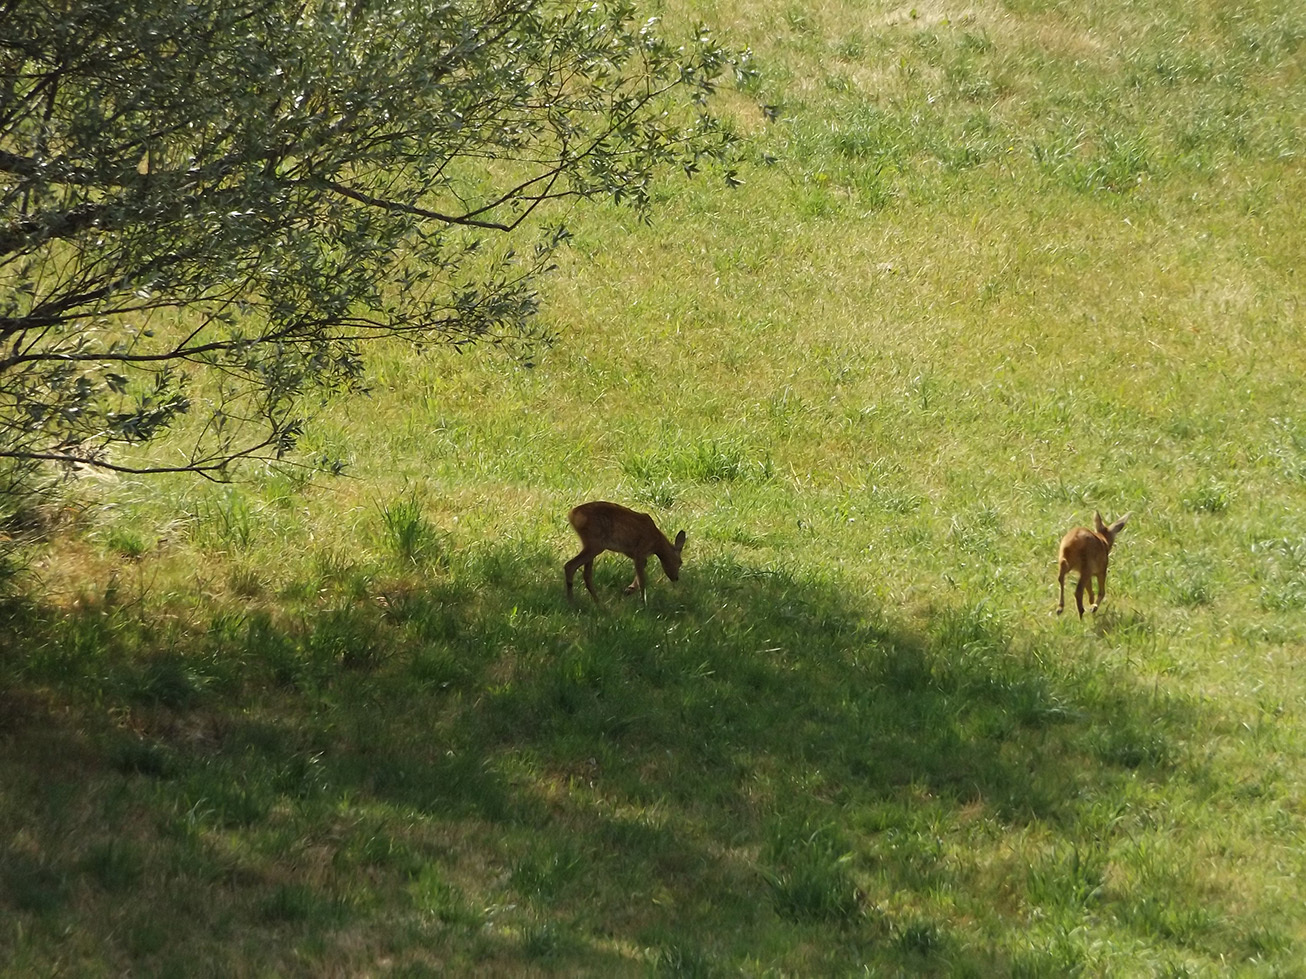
{"x":680,"y":541}
{"x":1099,"y":523}
{"x":1119,"y":525}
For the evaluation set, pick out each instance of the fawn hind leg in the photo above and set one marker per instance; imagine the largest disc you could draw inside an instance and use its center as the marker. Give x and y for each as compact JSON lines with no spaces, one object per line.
{"x":1061,"y":581}
{"x":1101,"y":591}
{"x":583,"y":560}
{"x":1080,"y":587}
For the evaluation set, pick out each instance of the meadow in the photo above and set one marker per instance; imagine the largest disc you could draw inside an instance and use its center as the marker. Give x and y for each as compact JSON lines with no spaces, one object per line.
{"x":992,"y":267}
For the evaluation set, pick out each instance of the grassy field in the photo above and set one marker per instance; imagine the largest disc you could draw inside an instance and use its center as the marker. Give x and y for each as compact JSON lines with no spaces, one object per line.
{"x":993,"y":266}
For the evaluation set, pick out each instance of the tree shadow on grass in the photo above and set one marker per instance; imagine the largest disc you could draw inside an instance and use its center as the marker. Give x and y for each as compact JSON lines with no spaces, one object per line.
{"x":755,"y":767}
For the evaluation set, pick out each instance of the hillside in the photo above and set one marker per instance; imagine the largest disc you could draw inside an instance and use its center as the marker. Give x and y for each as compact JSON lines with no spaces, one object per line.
{"x":992,"y":267}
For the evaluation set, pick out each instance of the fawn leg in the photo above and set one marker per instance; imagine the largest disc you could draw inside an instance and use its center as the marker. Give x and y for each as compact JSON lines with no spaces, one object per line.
{"x":589,"y":579}
{"x":638,"y":583}
{"x":1101,"y":590}
{"x":569,"y":571}
{"x":584,"y":558}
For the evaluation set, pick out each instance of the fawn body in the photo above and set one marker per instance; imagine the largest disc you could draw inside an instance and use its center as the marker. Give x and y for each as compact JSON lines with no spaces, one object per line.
{"x":605,"y":526}
{"x":1086,"y":552}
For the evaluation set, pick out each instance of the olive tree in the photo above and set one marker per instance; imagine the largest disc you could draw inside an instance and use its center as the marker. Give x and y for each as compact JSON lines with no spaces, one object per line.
{"x":207,"y":208}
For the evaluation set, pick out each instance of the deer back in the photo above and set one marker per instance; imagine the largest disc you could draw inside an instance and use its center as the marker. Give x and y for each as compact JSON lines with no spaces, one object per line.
{"x":613,"y":527}
{"x":1085,"y":551}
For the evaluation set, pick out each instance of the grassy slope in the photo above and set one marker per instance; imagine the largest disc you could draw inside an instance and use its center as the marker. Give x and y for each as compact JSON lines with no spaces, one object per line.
{"x":993,"y":267}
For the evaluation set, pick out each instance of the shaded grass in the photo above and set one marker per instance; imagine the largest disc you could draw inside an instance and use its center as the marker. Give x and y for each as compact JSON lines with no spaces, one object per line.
{"x":752,"y":769}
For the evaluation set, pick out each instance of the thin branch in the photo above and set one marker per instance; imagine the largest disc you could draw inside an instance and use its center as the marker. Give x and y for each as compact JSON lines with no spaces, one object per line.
{"x":203,"y":467}
{"x":401,"y":208}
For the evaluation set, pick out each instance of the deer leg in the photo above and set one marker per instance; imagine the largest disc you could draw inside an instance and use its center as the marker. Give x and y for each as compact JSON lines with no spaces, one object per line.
{"x":1101,"y":590}
{"x":586,"y":560}
{"x":569,"y":571}
{"x":1080,"y":585}
{"x":638,"y":584}
{"x":589,"y":579}
{"x":1061,"y":581}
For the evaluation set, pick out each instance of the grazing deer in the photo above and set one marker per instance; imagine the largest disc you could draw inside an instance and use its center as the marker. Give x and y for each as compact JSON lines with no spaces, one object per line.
{"x":1085,"y":552}
{"x":612,"y":527}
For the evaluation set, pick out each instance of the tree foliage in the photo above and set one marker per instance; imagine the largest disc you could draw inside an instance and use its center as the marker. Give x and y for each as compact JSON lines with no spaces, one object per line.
{"x":207,"y":208}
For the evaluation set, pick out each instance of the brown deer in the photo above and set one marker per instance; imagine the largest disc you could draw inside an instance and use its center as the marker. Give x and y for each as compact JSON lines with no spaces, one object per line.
{"x":612,"y":527}
{"x":1085,"y":552}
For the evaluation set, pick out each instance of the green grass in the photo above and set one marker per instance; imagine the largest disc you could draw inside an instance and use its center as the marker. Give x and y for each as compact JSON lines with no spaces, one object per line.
{"x":992,"y":268}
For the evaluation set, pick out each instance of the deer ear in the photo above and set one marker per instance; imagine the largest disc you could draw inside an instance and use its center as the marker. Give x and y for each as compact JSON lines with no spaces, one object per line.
{"x":680,"y":540}
{"x":1119,"y":525}
{"x":1099,"y":523}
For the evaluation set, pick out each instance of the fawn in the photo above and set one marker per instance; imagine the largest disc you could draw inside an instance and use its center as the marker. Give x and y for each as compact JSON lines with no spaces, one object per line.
{"x":1085,"y":552}
{"x":612,"y":527}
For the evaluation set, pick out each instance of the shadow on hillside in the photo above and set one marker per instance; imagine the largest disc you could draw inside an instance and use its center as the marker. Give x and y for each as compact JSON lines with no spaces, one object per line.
{"x":663,"y":776}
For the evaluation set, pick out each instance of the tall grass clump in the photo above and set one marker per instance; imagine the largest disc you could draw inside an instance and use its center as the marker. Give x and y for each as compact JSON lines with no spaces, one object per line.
{"x":408,"y":533}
